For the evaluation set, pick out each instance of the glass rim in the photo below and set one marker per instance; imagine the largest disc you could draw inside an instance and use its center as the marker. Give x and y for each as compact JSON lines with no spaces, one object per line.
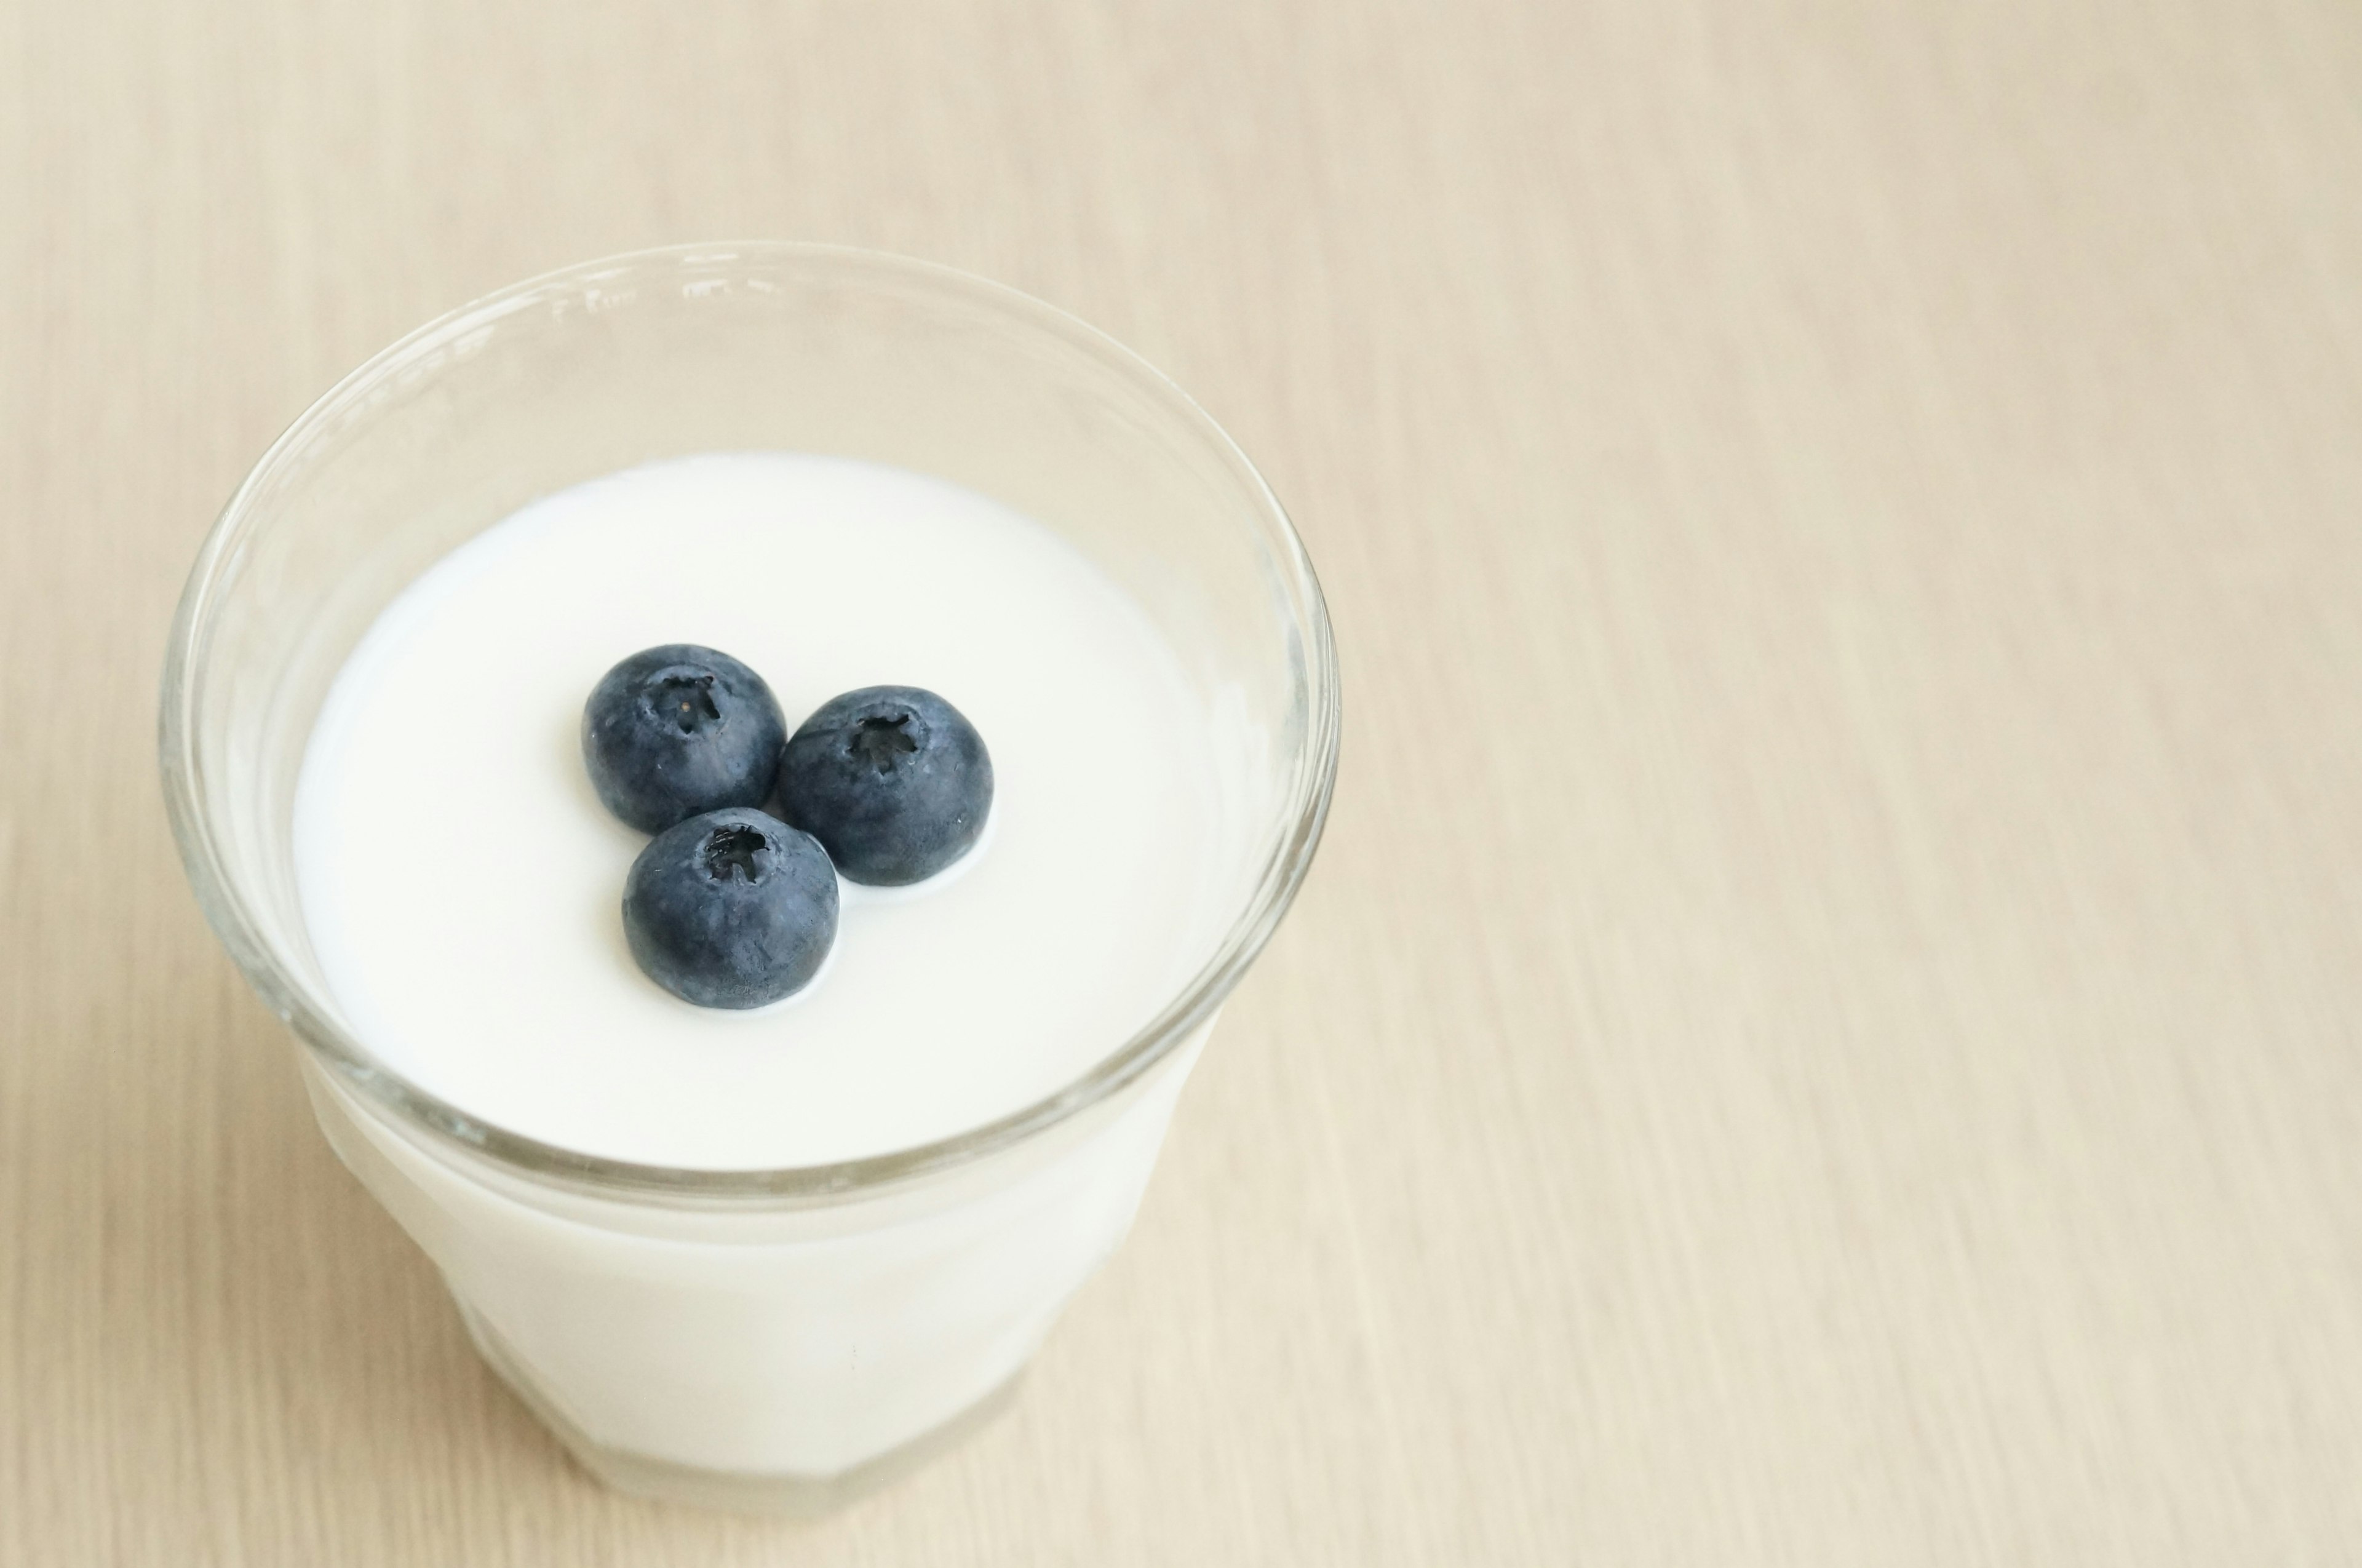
{"x":1311,"y":782}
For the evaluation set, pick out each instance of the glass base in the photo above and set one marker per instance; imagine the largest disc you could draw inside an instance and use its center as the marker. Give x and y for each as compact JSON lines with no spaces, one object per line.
{"x":797,"y":1496}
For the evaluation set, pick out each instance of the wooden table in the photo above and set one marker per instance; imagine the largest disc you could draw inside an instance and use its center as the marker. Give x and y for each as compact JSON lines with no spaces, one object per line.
{"x":1825,"y":1028}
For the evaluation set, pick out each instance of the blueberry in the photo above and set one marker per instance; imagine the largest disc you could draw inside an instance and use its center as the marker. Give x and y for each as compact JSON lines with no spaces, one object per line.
{"x":894,"y":782}
{"x":731,"y":908}
{"x":677,"y":730}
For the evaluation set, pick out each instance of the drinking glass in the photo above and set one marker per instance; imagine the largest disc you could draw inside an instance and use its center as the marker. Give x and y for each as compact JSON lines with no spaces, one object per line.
{"x":778,"y":1337}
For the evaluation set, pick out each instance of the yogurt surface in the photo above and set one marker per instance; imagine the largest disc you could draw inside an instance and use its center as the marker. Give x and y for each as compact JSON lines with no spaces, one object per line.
{"x":462,"y":883}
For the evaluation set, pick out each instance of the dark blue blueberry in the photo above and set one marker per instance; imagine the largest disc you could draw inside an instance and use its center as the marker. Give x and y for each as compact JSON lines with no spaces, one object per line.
{"x":731,"y":908}
{"x":894,"y":782}
{"x":677,"y":730}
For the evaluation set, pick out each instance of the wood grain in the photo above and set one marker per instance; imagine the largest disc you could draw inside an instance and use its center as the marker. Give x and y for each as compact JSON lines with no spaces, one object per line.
{"x":1825,"y":1032}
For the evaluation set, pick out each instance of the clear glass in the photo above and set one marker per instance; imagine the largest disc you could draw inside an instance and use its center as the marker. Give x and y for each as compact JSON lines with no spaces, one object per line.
{"x":718,"y":1335}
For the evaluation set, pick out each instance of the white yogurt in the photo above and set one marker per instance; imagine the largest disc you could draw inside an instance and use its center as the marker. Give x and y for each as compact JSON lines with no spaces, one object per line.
{"x":462,"y":885}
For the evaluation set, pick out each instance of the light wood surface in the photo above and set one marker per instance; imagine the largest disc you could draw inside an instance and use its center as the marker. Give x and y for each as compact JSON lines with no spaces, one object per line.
{"x":1825,"y":1029}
